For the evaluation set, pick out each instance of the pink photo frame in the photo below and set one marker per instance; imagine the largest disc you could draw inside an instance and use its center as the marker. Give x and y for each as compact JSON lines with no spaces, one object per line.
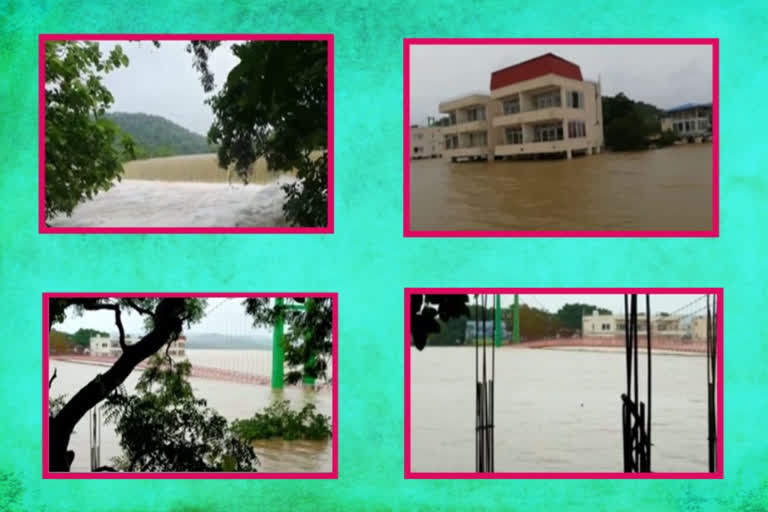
{"x":333,"y":474}
{"x":408,"y":42}
{"x":42,"y":38}
{"x":409,"y":474}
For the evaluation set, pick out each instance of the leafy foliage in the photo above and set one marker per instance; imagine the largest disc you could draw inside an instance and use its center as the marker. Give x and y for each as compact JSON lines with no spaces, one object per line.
{"x":81,"y":153}
{"x":278,"y":420}
{"x":629,"y":124}
{"x":274,"y":105}
{"x":165,"y":319}
{"x":570,"y":315}
{"x":424,"y":314}
{"x":55,"y":404}
{"x":60,"y":343}
{"x":156,"y":136}
{"x":164,"y":428}
{"x":309,"y":342}
{"x":452,"y":332}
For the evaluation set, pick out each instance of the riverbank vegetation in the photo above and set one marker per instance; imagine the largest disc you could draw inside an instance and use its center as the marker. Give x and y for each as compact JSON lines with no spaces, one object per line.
{"x":632,"y":125}
{"x":279,"y":420}
{"x":442,"y":320}
{"x":163,"y":427}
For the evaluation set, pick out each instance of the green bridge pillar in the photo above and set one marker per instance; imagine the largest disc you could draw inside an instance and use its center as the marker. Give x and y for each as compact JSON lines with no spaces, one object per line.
{"x":516,"y":321}
{"x":277,"y":347}
{"x":307,"y":380}
{"x":497,"y":320}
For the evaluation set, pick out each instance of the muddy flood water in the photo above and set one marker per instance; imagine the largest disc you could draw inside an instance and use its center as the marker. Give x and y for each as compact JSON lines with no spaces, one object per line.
{"x":665,"y":189}
{"x":555,"y":410}
{"x":232,"y":400}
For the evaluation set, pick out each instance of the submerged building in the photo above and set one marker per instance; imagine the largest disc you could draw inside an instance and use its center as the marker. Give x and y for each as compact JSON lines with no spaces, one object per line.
{"x":467,"y":133}
{"x":537,"y":107}
{"x":426,"y":141}
{"x":691,"y":121}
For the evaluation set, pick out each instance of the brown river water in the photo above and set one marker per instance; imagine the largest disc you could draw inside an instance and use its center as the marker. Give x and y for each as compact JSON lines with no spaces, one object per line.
{"x":233,"y":400}
{"x":555,"y":410}
{"x":665,"y":189}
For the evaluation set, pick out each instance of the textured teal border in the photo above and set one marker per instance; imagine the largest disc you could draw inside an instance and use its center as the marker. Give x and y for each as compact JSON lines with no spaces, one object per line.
{"x":369,"y":263}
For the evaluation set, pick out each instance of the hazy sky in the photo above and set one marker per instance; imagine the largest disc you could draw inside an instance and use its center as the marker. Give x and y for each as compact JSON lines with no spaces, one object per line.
{"x":659,"y":303}
{"x":225,"y":316}
{"x":162,"y":81}
{"x":665,"y":76}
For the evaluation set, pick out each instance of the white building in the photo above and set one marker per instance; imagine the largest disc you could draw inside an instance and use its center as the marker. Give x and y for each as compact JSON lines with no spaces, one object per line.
{"x":109,"y":346}
{"x":610,"y":326}
{"x":467,"y":135}
{"x":689,"y":121}
{"x":538,"y":107}
{"x":426,"y":141}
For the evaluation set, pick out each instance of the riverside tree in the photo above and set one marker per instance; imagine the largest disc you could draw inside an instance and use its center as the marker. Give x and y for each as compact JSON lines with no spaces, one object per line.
{"x":309,"y":341}
{"x":164,"y":319}
{"x":274,"y":104}
{"x":165,"y":428}
{"x":83,"y":149}
{"x":425,"y":309}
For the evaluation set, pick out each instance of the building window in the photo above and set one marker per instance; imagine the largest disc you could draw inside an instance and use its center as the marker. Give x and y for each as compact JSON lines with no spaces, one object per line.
{"x":576,"y":129}
{"x":476,"y":114}
{"x":575,"y":99}
{"x":548,"y":132}
{"x":547,"y":100}
{"x":451,"y":142}
{"x":606,"y":327}
{"x":478,"y":139}
{"x":512,"y":106}
{"x":514,"y":135}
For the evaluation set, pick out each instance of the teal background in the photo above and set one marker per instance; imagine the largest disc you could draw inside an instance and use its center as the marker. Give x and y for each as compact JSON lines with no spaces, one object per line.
{"x":368,"y":262}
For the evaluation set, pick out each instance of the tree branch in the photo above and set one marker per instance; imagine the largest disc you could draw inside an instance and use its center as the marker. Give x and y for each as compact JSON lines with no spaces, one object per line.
{"x":139,"y":309}
{"x":119,"y":324}
{"x":50,"y":381}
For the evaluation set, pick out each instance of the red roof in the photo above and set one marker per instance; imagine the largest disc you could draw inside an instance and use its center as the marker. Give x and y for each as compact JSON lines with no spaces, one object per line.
{"x":538,"y":66}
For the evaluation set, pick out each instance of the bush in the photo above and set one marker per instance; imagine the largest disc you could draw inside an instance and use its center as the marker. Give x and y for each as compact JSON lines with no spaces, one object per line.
{"x":164,"y":428}
{"x":278,"y":420}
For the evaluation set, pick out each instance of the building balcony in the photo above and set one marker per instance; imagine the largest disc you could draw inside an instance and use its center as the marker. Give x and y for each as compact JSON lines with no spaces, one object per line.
{"x":468,"y":152}
{"x":468,"y":126}
{"x":539,"y":115}
{"x":463,"y":102}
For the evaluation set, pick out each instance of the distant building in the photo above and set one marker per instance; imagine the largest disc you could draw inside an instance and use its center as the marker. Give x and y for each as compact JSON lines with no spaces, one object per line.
{"x":692,"y":120}
{"x":473,"y":327}
{"x":109,"y":346}
{"x":598,"y":325}
{"x":426,"y":141}
{"x":540,"y":106}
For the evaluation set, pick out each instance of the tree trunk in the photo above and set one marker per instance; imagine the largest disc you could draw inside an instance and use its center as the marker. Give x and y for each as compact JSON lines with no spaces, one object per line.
{"x":167,"y":323}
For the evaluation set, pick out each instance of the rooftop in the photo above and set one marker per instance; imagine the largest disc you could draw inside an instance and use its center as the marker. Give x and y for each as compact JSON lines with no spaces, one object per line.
{"x":688,"y":106}
{"x":549,"y":63}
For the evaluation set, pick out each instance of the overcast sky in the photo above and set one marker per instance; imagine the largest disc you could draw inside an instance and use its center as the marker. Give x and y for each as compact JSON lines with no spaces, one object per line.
{"x":665,"y":76}
{"x":613,"y":302}
{"x":225,"y":316}
{"x":162,"y":81}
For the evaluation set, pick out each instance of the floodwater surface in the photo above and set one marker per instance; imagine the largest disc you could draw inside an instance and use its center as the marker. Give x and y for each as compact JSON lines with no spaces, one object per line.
{"x":230,"y":399}
{"x":665,"y":189}
{"x":555,"y":410}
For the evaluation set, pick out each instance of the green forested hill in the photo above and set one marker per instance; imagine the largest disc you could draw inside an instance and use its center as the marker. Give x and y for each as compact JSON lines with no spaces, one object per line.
{"x":157,"y":136}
